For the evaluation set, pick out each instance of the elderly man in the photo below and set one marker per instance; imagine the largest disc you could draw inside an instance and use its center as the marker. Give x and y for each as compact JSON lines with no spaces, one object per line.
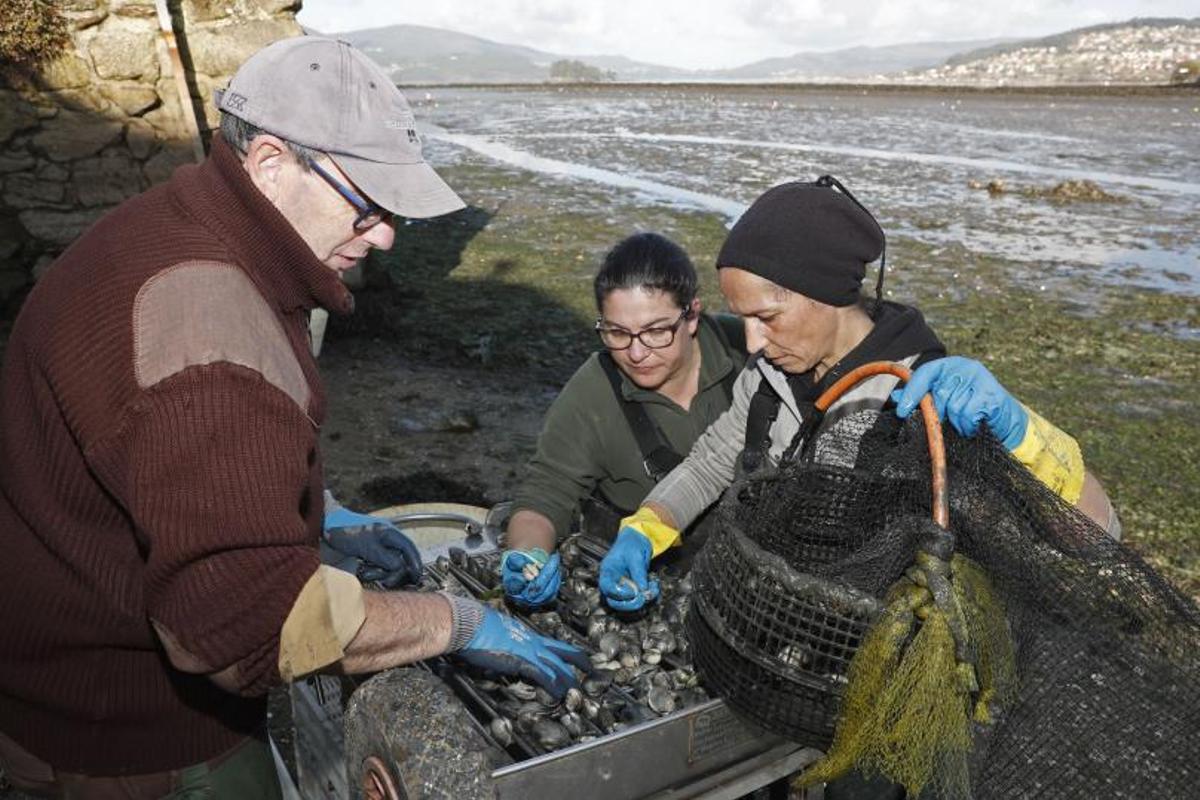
{"x":792,"y":268}
{"x":160,"y":476}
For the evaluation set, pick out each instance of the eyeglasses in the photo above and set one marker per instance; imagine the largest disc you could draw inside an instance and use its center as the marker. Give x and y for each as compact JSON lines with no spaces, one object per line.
{"x":369,"y":214}
{"x":654,"y":338}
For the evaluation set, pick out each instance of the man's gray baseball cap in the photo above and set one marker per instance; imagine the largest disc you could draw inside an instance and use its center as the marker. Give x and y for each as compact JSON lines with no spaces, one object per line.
{"x":325,"y":94}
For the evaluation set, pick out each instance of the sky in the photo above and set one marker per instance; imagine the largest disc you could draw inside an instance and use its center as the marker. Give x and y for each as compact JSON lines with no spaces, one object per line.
{"x":698,"y":34}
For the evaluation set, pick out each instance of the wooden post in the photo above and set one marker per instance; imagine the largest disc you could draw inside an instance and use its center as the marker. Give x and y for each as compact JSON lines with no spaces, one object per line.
{"x":167,"y":31}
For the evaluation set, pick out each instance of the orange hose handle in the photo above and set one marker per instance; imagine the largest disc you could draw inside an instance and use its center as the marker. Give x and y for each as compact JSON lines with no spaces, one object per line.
{"x":933,"y":426}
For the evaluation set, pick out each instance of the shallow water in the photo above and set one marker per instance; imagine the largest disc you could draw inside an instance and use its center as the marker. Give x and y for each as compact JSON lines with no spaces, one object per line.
{"x":907,"y":156}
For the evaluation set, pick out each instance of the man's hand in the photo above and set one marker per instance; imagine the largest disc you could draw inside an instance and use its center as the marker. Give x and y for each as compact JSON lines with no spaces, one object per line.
{"x":372,"y":548}
{"x":624,"y":578}
{"x":530,"y":577}
{"x":504,"y":644}
{"x":966,"y":394}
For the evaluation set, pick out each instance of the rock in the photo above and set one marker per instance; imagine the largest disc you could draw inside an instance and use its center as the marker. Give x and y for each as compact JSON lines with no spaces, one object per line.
{"x":220,"y":51}
{"x":41,"y":265}
{"x":132,"y":98}
{"x":996,"y":187}
{"x":203,"y":10}
{"x":15,"y":115}
{"x":22,"y":190}
{"x":140,"y":138}
{"x":15,"y":161}
{"x":87,"y":100}
{"x":1083,"y":191}
{"x":458,"y":422}
{"x":81,"y":14}
{"x":167,"y":117}
{"x":73,"y":135}
{"x":173,"y":154}
{"x":274,"y":7}
{"x":133,"y":8}
{"x":11,"y":282}
{"x":107,"y":180}
{"x":124,"y":55}
{"x":50,"y":171}
{"x":58,"y":227}
{"x":70,"y":71}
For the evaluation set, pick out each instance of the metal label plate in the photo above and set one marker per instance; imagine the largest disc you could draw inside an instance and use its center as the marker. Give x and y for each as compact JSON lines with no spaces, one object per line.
{"x":716,"y":731}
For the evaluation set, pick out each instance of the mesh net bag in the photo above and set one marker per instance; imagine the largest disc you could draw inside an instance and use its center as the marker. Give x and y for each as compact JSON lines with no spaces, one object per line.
{"x":1082,"y":676}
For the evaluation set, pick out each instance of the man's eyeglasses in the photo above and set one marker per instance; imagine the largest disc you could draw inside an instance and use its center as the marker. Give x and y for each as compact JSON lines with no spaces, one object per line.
{"x":654,"y":338}
{"x":369,"y":214}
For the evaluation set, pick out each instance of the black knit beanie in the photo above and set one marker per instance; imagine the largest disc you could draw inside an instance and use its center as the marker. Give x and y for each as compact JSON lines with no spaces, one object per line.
{"x":807,"y":237}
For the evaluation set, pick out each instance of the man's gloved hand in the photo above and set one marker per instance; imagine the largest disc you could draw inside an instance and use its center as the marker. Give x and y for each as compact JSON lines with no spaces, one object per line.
{"x":530,"y":577}
{"x":966,"y":394}
{"x":372,"y":548}
{"x":624,"y":579}
{"x":503,"y":644}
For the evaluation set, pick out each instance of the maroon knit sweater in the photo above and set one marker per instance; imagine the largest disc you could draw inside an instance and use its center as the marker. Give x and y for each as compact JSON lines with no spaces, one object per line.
{"x":195,"y":502}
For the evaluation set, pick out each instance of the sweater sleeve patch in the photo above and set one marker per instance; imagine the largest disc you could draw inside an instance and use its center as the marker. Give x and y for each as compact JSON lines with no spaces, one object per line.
{"x":203,"y":312}
{"x":324,"y":619}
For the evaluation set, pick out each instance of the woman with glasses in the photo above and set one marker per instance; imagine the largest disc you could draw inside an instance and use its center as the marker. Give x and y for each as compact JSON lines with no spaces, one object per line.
{"x":629,"y":414}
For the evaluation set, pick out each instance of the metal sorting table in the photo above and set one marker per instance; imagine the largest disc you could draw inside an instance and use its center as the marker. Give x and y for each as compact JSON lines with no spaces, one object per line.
{"x":699,"y":751}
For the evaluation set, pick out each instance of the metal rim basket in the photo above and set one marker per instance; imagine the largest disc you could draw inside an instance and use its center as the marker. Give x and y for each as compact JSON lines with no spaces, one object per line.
{"x":774,"y":640}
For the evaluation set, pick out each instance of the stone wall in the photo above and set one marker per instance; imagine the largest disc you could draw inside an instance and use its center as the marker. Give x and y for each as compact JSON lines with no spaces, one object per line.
{"x":103,"y":121}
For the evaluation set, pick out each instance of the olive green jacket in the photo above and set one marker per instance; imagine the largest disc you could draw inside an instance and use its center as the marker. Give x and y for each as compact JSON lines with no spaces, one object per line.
{"x":586,"y":445}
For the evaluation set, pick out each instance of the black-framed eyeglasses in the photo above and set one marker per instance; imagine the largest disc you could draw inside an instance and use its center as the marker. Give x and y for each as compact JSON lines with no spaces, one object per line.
{"x":369,"y":214}
{"x":655,"y":338}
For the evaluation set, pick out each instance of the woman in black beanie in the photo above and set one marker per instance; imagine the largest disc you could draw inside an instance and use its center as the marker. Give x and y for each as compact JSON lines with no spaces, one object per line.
{"x":792,"y":269}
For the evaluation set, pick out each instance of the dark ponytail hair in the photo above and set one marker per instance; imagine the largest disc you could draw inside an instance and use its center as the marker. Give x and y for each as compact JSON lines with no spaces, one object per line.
{"x":647,"y":261}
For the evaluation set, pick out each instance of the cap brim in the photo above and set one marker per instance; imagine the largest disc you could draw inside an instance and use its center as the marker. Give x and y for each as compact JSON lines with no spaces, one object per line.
{"x":410,"y":190}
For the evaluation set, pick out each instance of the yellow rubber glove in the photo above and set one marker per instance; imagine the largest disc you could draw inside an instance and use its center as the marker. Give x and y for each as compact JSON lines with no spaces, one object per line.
{"x":1052,"y":456}
{"x":648,"y":524}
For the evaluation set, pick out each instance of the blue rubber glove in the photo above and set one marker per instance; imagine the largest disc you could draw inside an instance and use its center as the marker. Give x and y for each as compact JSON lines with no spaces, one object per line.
{"x":966,"y":394}
{"x":506,"y":645}
{"x":624,"y":572}
{"x":530,"y":592}
{"x":383,"y":553}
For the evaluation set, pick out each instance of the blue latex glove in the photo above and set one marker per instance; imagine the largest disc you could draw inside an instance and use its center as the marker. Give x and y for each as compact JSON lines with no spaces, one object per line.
{"x":624,"y":572}
{"x":384,"y":554}
{"x":523,"y":591}
{"x":966,"y":394}
{"x":504,"y":644}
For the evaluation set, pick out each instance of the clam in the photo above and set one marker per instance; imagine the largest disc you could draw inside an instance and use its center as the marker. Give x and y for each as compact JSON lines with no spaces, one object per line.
{"x":550,"y":734}
{"x":573,"y":723}
{"x":623,"y":676}
{"x":609,"y":645}
{"x":661,"y":700}
{"x":590,"y":708}
{"x":629,"y":659}
{"x":651,"y":656}
{"x":502,"y":731}
{"x":573,"y":699}
{"x":595,"y":684}
{"x":528,"y":717}
{"x":519,"y":690}
{"x":595,"y":629}
{"x":544,"y":698}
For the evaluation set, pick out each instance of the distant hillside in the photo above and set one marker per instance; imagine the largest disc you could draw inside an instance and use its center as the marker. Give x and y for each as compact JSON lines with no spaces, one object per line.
{"x":855,"y":62}
{"x":1140,"y":51}
{"x":419,"y":54}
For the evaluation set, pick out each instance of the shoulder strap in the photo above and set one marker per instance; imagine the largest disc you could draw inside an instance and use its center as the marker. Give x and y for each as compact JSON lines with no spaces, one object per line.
{"x":764,"y":408}
{"x":657,"y":456}
{"x":736,"y":353}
